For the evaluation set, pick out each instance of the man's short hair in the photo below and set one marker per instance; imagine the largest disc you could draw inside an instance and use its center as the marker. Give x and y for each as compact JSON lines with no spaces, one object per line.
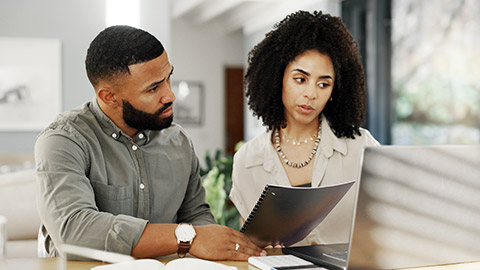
{"x":115,"y":48}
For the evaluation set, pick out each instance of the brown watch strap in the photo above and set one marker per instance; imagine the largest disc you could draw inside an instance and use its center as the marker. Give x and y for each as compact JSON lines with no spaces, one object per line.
{"x":183,"y":248}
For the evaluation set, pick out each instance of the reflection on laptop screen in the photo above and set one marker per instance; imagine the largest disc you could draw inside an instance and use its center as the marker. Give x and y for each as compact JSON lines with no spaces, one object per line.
{"x":417,"y":205}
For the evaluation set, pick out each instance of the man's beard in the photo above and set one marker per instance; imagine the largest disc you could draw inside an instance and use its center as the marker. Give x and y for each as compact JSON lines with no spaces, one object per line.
{"x":142,"y":120}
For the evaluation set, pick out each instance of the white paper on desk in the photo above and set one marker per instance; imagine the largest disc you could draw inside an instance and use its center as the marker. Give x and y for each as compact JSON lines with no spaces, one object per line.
{"x":196,"y":264}
{"x":144,"y":264}
{"x":177,"y":264}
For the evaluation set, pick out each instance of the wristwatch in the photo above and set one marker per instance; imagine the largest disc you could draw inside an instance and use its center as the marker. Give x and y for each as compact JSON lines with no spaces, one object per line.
{"x":185,"y":234}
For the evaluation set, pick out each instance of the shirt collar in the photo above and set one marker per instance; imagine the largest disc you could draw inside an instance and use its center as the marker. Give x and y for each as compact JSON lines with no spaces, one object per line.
{"x":112,"y":130}
{"x":259,"y":151}
{"x":330,"y":142}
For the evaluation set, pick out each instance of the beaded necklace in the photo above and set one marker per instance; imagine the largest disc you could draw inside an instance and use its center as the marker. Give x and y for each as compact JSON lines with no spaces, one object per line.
{"x":309,"y":158}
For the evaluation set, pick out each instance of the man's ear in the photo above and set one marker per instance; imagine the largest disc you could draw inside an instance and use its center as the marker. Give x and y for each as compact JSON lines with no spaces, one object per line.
{"x":107,"y":96}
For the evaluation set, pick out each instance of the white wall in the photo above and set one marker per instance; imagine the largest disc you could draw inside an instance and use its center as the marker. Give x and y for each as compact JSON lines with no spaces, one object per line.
{"x":200,"y":53}
{"x":75,"y":23}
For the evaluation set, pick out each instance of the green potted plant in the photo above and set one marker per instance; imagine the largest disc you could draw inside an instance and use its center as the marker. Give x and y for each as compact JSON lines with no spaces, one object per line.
{"x":217,"y":181}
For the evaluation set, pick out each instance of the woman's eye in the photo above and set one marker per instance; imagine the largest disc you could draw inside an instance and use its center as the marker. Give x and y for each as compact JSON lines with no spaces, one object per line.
{"x":299,"y":80}
{"x":323,"y":85}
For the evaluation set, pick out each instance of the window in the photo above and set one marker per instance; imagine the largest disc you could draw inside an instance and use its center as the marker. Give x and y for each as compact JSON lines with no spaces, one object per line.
{"x":435,"y":72}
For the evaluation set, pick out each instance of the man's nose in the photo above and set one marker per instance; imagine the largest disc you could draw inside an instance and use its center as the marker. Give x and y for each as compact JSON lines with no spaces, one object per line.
{"x":169,"y":95}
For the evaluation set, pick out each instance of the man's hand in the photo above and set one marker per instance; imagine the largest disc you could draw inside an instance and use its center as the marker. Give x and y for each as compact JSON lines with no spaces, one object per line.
{"x":216,"y":242}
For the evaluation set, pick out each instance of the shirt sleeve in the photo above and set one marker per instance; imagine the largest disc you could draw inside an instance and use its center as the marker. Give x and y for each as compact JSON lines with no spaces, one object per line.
{"x":237,"y":184}
{"x":66,"y":200}
{"x":195,"y":208}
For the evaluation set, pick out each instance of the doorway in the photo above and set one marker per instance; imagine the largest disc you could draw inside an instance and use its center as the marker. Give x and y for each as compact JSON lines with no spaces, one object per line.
{"x":233,"y":107}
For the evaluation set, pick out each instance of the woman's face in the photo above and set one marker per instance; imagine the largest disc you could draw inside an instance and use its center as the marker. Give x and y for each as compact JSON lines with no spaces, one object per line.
{"x":307,"y":86}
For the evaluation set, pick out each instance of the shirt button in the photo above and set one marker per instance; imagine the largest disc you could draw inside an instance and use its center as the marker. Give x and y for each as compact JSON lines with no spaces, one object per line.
{"x":140,"y":136}
{"x":134,"y":147}
{"x":142,"y":186}
{"x":114,"y":135}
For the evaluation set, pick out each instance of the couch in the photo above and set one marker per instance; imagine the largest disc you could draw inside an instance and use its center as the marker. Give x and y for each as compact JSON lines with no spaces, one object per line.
{"x":18,"y":204}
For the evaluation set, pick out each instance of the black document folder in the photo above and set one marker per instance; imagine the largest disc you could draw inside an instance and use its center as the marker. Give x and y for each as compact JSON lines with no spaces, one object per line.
{"x":286,"y":215}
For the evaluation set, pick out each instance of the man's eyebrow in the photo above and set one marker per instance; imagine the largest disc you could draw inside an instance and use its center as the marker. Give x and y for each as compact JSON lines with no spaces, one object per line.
{"x":308,"y":74}
{"x":159,"y":82}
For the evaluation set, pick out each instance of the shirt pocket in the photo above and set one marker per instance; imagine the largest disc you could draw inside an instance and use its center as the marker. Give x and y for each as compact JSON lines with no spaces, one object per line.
{"x":113,"y":199}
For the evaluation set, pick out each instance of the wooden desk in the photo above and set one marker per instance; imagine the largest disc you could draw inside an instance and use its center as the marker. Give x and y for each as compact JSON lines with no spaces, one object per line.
{"x":52,"y":264}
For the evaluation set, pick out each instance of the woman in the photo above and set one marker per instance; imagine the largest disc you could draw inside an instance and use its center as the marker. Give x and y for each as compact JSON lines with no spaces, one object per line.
{"x":306,"y":82}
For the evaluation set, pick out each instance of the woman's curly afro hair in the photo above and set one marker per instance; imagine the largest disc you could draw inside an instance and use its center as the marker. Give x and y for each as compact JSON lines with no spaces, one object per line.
{"x":299,"y":32}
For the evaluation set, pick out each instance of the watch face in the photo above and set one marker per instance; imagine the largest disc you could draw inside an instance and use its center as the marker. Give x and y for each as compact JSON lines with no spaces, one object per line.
{"x":185,"y":232}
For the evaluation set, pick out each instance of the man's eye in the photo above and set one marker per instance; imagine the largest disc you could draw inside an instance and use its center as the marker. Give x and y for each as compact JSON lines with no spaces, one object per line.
{"x":153,"y":89}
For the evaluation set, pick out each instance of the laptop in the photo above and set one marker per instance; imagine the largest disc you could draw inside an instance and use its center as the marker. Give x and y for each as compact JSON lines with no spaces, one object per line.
{"x":415,"y":206}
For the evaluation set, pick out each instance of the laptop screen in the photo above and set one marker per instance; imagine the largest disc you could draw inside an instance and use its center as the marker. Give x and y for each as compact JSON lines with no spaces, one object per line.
{"x":416,"y":206}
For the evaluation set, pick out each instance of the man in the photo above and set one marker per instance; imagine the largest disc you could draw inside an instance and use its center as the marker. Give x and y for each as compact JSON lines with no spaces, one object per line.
{"x":116,"y":174}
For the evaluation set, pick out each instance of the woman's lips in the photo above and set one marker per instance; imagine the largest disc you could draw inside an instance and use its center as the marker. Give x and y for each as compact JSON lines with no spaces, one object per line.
{"x":306,"y":109}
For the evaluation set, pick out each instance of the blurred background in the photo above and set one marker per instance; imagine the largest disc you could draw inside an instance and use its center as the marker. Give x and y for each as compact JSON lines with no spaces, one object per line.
{"x":420,"y":59}
{"x":421,"y":62}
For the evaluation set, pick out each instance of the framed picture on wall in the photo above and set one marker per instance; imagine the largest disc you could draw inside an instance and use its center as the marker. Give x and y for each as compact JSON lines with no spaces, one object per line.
{"x":30,"y":83}
{"x":188,"y":108}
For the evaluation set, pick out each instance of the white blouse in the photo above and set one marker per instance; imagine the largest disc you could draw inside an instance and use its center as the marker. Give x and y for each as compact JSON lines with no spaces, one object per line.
{"x":337,"y":161}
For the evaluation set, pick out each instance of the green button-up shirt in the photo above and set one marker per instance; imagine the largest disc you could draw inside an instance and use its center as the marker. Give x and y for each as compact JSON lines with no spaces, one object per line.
{"x":98,"y":187}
